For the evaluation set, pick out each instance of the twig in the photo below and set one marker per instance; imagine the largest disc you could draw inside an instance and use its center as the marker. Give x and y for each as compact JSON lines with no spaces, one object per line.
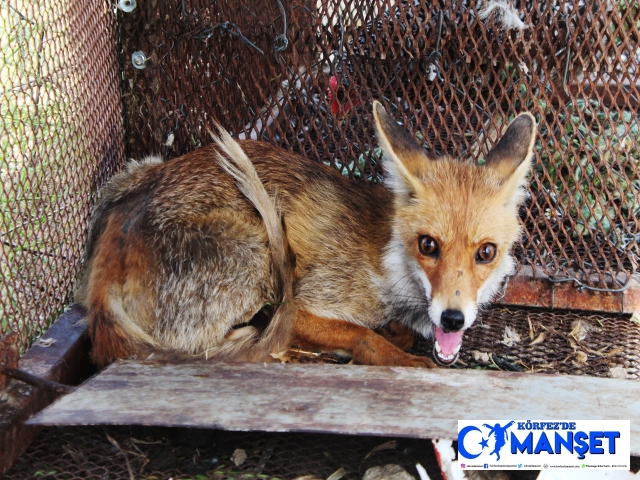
{"x":126,"y":459}
{"x":22,"y":17}
{"x":422,"y":472}
{"x":33,"y":252}
{"x":34,"y":381}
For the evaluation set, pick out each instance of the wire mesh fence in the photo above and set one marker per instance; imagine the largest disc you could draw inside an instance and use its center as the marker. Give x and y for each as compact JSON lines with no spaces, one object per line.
{"x":161,"y":453}
{"x":303,"y":74}
{"x":60,"y":138}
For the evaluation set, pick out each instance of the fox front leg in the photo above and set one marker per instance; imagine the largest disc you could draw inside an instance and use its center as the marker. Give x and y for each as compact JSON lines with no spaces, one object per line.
{"x":365,"y":345}
{"x":399,"y":335}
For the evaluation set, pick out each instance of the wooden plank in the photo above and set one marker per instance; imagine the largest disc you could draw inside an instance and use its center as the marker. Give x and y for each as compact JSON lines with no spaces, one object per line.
{"x":336,"y":398}
{"x":64,"y":359}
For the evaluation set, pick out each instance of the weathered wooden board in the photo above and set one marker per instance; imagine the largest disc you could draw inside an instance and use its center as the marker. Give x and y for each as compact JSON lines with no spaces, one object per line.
{"x":337,"y":398}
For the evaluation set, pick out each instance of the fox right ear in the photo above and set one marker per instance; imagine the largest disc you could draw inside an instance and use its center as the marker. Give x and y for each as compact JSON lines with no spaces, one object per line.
{"x":405,"y":159}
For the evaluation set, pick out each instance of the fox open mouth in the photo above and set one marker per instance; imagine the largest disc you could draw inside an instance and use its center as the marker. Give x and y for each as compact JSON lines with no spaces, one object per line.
{"x":446,"y":345}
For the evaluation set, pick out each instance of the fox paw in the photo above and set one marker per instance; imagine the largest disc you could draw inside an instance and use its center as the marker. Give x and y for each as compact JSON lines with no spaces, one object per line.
{"x":415,"y":361}
{"x":376,"y":350}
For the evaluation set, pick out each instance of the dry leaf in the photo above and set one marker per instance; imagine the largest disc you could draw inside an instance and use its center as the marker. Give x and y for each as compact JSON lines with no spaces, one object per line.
{"x":618,"y":372}
{"x":388,"y":472}
{"x":385,"y":446}
{"x":539,"y":339}
{"x":445,"y":455}
{"x":46,"y":342}
{"x":338,"y":474}
{"x":282,"y":356}
{"x":635,"y":318}
{"x":523,"y":67}
{"x":613,"y":352}
{"x":573,"y":345}
{"x":510,"y":337}
{"x":239,"y":457}
{"x":579,"y":330}
{"x":480,"y":357}
{"x":532,"y":333}
{"x":581,"y":357}
{"x":115,"y":444}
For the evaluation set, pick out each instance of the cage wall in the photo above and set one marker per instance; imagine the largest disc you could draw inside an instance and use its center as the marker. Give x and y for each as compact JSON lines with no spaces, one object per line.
{"x":61,"y":137}
{"x":303,"y":74}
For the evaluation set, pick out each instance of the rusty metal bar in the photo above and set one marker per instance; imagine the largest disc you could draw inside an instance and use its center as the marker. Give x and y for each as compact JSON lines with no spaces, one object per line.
{"x":34,"y":381}
{"x":61,"y":356}
{"x":532,"y":288}
{"x":9,"y":355}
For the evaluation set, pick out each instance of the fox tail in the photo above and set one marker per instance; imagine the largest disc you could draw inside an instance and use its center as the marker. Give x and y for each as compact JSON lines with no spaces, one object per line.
{"x":275,"y":337}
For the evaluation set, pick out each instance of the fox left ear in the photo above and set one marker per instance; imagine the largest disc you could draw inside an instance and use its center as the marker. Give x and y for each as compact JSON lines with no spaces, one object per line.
{"x":511,"y":158}
{"x":515,"y":147}
{"x":405,"y":159}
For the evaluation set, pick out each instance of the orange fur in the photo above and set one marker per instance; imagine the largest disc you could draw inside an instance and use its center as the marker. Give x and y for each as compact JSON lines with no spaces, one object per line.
{"x":366,"y":346}
{"x":183,"y":255}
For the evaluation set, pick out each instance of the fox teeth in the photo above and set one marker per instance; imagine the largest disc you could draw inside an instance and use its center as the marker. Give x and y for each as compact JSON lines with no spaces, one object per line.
{"x":439,"y":350}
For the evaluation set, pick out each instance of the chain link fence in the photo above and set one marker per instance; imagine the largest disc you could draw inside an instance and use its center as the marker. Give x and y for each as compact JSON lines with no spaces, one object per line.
{"x":83,"y":83}
{"x":61,"y":137}
{"x":195,"y":454}
{"x":303,"y":74}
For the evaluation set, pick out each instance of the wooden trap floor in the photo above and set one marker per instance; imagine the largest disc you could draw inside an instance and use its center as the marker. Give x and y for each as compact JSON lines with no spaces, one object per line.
{"x":503,"y":338}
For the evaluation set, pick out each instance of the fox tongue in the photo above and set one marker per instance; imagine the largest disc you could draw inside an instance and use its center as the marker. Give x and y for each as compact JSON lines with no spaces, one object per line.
{"x":447,"y":345}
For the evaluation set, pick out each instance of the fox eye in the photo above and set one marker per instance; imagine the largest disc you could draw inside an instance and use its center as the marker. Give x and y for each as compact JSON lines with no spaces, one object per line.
{"x":486,"y":253}
{"x":428,"y":246}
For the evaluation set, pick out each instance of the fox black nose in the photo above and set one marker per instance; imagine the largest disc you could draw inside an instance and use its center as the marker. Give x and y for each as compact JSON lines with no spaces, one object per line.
{"x":452,"y":320}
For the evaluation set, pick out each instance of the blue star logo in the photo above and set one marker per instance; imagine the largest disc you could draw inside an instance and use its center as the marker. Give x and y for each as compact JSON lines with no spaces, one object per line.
{"x":484,"y":443}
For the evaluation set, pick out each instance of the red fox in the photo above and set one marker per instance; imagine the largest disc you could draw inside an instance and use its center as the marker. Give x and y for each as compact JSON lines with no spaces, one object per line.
{"x":239,"y":249}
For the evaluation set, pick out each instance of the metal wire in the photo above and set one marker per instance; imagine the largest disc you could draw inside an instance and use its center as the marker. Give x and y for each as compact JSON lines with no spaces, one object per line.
{"x":62,"y":137}
{"x":581,"y":83}
{"x":62,"y":132}
{"x":280,"y":42}
{"x":95,"y":452}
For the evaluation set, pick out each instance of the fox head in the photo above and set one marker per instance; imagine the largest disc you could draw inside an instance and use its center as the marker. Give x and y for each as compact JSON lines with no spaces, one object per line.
{"x":454,"y":224}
